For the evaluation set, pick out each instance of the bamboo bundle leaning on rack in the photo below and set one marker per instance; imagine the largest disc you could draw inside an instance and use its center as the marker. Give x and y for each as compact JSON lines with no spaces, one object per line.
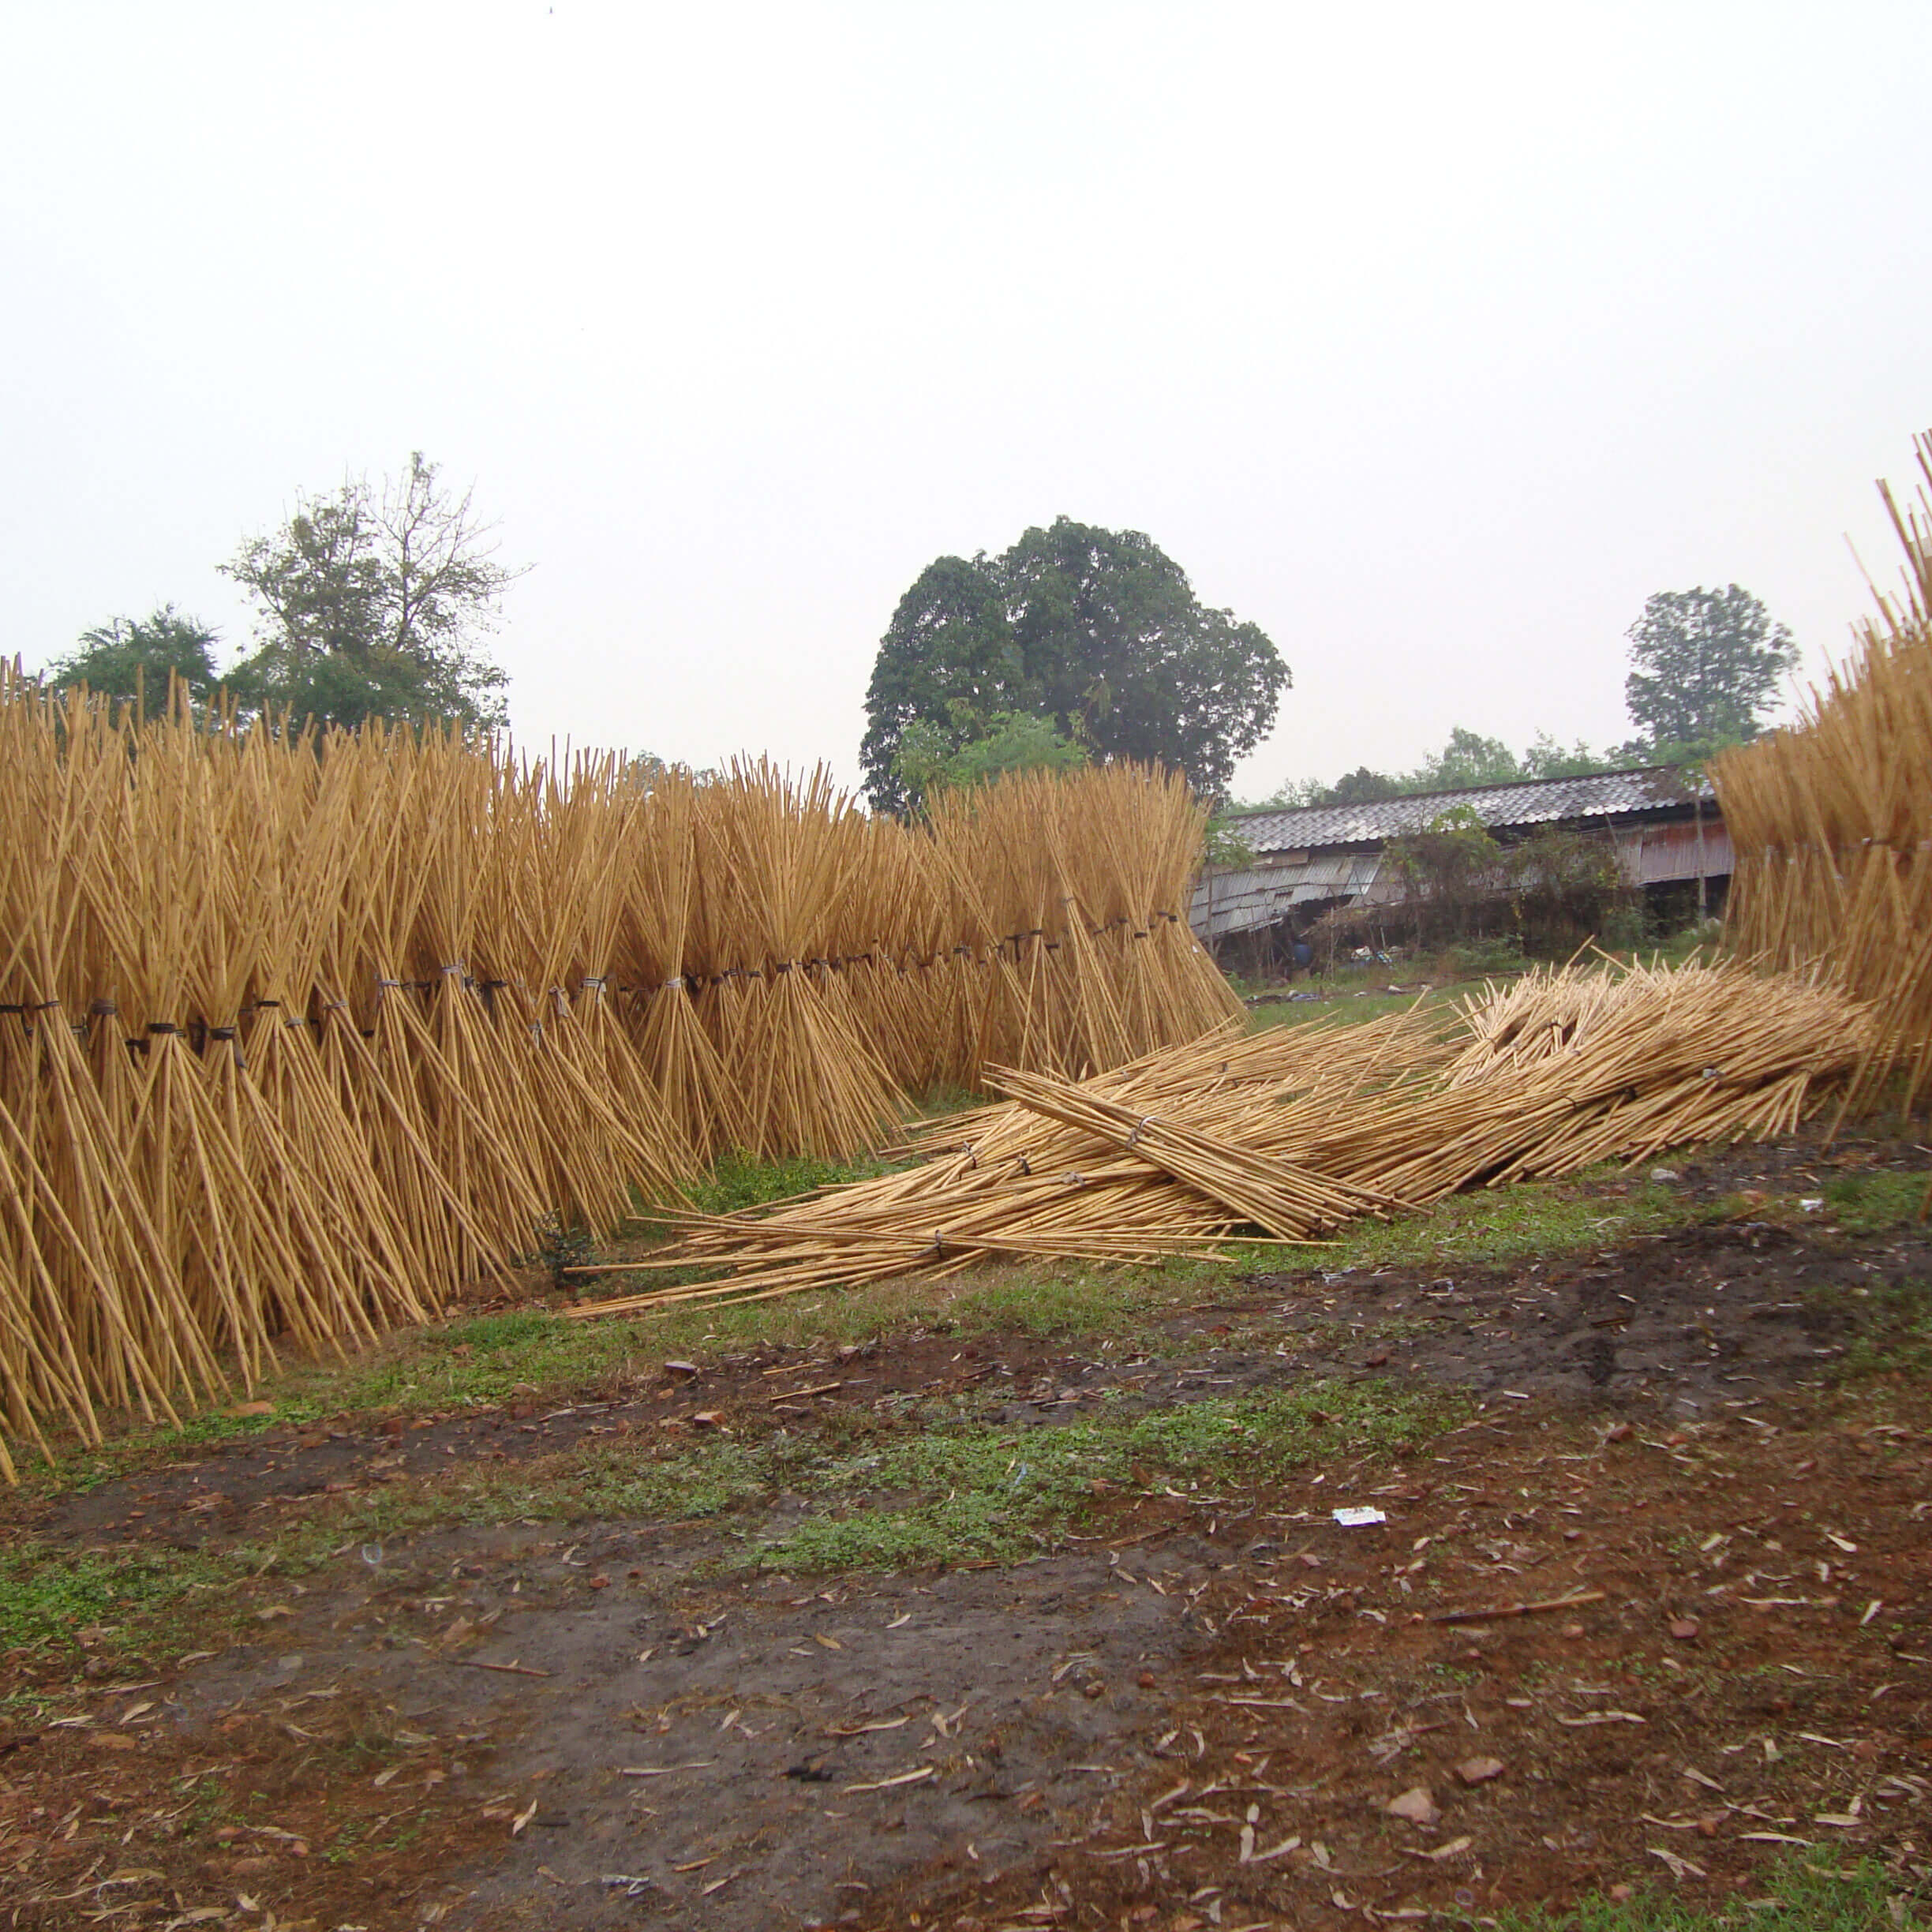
{"x":1832,"y":824}
{"x":299,"y":1030}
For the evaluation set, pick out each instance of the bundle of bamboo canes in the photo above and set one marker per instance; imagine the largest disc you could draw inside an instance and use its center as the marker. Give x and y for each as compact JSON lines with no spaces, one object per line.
{"x":299,"y":1031}
{"x":1294,"y":1131}
{"x":1832,"y":824}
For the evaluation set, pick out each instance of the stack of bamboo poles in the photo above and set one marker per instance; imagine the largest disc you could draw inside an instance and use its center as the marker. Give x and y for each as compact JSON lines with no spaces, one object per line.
{"x":1295,"y":1131}
{"x":1832,"y":824}
{"x":298,"y":1032}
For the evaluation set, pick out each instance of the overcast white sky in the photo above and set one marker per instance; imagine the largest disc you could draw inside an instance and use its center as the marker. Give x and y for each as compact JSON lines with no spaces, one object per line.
{"x":1433,"y":339}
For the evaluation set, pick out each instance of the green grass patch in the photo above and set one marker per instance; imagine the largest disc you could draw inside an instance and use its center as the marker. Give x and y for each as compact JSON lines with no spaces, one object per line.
{"x":1873,"y":1203}
{"x":991,"y":1495}
{"x":1495,"y":1226}
{"x":1797,"y":1896}
{"x":885,"y":1492}
{"x":49,"y":1597}
{"x":739,"y":1180}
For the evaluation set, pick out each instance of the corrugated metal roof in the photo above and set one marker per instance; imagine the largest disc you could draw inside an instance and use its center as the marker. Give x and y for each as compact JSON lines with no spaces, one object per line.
{"x":1535,"y":801}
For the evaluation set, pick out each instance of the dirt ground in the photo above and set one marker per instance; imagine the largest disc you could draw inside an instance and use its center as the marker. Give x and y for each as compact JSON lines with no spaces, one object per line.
{"x":1654,"y":1611}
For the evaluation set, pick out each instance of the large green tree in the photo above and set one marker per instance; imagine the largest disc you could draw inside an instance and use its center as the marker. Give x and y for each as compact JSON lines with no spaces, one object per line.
{"x":375,"y":605}
{"x":134,"y":657}
{"x":1704,"y":667}
{"x":1097,"y":632}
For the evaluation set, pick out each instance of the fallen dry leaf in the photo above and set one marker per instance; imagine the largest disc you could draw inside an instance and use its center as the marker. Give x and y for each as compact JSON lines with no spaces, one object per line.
{"x":1479,"y":1770}
{"x":1684,"y":1628}
{"x":1680,"y":1868}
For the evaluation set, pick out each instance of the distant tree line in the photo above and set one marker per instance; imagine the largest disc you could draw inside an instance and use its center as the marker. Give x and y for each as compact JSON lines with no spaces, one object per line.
{"x":1705,"y":669}
{"x":1467,"y":760}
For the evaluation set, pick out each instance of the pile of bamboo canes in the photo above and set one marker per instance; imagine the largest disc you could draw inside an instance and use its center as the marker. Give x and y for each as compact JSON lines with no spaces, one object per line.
{"x":1295,"y":1131}
{"x":297,"y":1032}
{"x":1832,"y":824}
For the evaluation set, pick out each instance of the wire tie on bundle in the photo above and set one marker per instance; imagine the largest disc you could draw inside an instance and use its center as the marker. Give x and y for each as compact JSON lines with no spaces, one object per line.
{"x":1145,"y":1122}
{"x":106,"y":1010}
{"x":234,"y":1045}
{"x":162,"y":1026}
{"x":939,"y":1244}
{"x":675,"y":984}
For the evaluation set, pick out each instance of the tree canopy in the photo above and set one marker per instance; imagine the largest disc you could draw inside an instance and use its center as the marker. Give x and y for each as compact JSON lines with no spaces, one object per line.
{"x":375,"y":606}
{"x":133,"y":657}
{"x":1096,"y":633}
{"x":1704,"y":667}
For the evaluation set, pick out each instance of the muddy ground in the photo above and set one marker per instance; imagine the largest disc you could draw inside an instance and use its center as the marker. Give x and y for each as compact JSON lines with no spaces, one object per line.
{"x":1651,"y":1608}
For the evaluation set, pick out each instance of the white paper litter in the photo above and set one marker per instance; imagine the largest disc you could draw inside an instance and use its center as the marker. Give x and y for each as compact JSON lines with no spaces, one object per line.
{"x":1359,"y":1517}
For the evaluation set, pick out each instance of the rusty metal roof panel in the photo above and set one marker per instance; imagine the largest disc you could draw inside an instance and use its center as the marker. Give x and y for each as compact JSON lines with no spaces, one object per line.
{"x":1535,"y":801}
